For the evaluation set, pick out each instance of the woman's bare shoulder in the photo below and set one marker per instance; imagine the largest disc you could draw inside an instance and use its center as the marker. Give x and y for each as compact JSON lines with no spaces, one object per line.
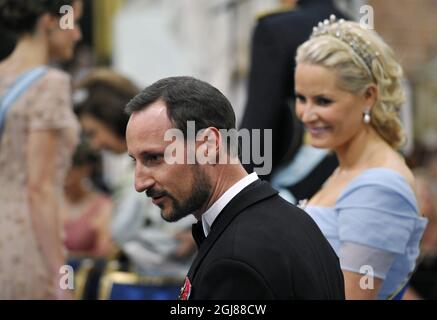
{"x":396,"y":162}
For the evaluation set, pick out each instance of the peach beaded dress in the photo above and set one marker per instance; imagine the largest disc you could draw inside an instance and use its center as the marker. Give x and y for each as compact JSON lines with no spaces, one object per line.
{"x":46,"y":105}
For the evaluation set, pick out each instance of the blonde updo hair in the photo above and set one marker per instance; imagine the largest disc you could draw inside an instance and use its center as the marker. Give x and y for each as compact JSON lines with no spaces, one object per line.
{"x":356,"y":72}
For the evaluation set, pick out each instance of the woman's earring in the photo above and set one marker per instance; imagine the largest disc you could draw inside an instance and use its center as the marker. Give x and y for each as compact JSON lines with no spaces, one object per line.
{"x":367,"y":117}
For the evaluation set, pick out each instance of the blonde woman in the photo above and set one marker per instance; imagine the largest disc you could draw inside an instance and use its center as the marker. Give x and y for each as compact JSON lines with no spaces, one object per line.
{"x":38,"y":134}
{"x":348,"y":95}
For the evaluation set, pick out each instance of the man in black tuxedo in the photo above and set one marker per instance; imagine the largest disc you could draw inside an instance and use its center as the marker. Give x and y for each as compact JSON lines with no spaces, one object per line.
{"x":270,"y":96}
{"x":252,"y":243}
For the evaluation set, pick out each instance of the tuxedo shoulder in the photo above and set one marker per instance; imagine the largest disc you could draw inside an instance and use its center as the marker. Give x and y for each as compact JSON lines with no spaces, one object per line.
{"x":268,"y":217}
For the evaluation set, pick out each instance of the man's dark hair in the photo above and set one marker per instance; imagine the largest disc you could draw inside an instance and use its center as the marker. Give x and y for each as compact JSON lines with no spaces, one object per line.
{"x":188,"y":99}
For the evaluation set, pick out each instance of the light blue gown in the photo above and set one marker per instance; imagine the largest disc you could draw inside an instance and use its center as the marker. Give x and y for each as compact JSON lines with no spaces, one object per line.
{"x":377,"y":211}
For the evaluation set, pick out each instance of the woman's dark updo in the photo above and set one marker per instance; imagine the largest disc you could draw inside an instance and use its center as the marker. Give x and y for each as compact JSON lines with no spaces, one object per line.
{"x":20,"y":16}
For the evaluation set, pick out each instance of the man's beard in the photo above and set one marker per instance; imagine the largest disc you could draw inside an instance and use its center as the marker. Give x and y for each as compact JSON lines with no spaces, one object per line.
{"x":198,"y":197}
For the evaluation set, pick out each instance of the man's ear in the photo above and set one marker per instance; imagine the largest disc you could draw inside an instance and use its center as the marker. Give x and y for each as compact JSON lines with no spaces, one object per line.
{"x":209,"y":142}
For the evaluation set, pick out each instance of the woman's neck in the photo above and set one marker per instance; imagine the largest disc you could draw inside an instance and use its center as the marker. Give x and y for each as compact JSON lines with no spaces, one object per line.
{"x":30,"y":51}
{"x":361,"y":151}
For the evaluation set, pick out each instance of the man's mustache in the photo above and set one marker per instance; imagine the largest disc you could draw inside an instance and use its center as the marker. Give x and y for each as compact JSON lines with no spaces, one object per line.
{"x":152,"y":193}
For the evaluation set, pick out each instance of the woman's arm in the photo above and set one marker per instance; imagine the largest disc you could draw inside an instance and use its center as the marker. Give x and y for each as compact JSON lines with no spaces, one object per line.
{"x":44,"y":204}
{"x":361,"y":286}
{"x":364,"y":269}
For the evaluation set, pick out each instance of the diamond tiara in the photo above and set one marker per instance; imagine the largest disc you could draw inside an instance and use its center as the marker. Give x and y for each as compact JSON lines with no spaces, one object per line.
{"x":332,"y":27}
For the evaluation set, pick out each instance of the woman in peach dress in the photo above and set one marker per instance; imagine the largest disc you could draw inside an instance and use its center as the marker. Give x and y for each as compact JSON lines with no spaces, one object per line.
{"x":38,"y":136}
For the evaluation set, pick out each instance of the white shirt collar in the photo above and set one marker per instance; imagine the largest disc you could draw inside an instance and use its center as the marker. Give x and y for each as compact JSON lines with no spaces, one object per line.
{"x":211,"y":214}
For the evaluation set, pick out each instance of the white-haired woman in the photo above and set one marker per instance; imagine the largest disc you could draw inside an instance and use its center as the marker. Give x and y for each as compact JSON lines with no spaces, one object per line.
{"x":348,"y":94}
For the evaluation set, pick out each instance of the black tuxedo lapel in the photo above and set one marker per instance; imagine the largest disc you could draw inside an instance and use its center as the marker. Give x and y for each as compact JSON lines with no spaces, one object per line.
{"x":253,"y":193}
{"x":198,"y":233}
